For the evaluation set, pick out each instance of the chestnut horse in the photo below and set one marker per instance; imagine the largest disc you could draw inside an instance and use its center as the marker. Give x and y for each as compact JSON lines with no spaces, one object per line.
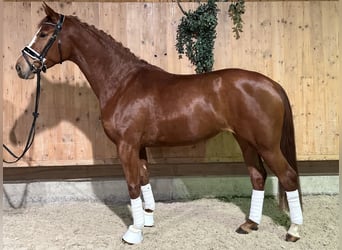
{"x":144,"y":106}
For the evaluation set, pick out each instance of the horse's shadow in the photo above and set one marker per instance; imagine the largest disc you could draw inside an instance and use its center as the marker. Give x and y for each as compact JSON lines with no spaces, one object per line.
{"x":53,"y":110}
{"x":270,"y":208}
{"x":53,"y":113}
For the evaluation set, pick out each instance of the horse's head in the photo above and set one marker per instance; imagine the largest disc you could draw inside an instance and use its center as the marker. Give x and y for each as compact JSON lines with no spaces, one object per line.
{"x":46,"y":48}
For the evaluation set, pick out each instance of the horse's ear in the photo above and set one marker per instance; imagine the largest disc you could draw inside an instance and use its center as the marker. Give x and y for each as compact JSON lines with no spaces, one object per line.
{"x":50,"y":13}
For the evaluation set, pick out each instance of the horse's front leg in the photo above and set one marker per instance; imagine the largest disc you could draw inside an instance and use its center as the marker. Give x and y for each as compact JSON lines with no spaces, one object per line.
{"x":146,"y":189}
{"x":129,"y":156}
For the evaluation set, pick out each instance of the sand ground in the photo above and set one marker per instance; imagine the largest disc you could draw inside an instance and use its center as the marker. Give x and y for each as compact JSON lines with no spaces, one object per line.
{"x":191,"y":224}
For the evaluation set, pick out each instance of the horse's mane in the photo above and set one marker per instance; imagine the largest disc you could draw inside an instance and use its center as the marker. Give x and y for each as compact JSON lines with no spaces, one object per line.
{"x":106,"y":40}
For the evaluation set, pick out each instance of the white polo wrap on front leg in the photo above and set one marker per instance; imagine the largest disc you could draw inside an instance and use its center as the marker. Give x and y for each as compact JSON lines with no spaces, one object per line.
{"x":257,"y":203}
{"x":148,"y":197}
{"x":295,"y":208}
{"x":134,"y":233}
{"x":137,"y":213}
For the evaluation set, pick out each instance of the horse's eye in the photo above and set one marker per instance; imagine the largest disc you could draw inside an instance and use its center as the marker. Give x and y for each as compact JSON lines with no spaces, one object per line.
{"x":42,"y":35}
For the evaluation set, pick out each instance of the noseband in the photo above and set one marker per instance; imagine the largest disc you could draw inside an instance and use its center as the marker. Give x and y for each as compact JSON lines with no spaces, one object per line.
{"x":40,"y":57}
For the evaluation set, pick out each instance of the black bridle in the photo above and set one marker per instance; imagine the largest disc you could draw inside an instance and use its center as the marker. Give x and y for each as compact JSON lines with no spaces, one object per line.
{"x":40,"y":57}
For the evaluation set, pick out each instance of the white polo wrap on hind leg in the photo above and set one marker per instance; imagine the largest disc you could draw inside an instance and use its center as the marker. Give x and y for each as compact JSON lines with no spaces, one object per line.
{"x":149,"y":204}
{"x":257,"y":203}
{"x":296,"y":215}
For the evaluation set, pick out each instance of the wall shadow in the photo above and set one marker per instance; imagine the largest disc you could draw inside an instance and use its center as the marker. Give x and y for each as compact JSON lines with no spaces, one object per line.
{"x":14,"y":203}
{"x":56,"y":106}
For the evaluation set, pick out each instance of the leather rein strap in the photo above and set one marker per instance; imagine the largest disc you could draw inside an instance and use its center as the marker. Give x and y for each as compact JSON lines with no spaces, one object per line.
{"x":32,"y":132}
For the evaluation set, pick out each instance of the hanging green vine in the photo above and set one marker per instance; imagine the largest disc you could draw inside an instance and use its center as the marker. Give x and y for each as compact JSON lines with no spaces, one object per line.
{"x":235,"y":11}
{"x":196,"y":36}
{"x":196,"y":32}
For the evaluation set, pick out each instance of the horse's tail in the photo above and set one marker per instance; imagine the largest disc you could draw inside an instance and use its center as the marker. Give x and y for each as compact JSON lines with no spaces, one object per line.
{"x":288,"y":147}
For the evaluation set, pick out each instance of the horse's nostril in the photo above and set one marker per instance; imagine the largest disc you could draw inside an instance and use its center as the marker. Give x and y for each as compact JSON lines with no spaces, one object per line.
{"x":18,"y":68}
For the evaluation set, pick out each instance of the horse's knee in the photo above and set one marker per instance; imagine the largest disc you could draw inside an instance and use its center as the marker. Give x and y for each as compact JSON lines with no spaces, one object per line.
{"x":133,"y":190}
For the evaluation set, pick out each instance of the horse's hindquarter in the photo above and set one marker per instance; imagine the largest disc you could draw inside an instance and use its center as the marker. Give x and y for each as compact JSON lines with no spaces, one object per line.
{"x":255,"y":106}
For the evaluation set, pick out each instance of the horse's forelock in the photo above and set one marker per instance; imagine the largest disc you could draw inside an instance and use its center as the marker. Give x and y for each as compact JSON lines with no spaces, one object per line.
{"x":44,"y":20}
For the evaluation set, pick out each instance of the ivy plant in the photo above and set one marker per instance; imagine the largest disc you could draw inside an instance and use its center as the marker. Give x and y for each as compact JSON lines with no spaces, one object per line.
{"x":196,"y":32}
{"x":235,"y":11}
{"x":196,"y":36}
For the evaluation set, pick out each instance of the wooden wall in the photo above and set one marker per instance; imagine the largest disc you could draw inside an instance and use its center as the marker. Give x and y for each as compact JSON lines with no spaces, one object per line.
{"x":295,"y":43}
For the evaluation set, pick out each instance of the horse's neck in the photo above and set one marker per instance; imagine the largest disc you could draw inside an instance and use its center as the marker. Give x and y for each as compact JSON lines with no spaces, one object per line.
{"x":105,"y":69}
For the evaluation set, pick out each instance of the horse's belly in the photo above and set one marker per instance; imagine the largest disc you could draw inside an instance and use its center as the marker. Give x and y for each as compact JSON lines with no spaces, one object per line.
{"x":180,"y":140}
{"x":184,"y":131}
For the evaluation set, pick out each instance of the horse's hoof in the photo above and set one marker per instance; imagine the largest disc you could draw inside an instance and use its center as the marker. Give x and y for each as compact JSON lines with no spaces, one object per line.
{"x":291,"y":238}
{"x":241,"y":231}
{"x":149,"y":221}
{"x":293,"y":233}
{"x":125,"y":242}
{"x":247,"y":227}
{"x":133,"y":236}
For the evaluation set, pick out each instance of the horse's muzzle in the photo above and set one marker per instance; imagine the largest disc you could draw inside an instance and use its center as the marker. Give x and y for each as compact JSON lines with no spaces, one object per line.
{"x":23,"y":69}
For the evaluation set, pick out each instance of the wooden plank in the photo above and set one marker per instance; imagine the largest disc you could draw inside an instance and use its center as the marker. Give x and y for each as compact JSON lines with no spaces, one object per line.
{"x":185,"y":1}
{"x":294,"y":42}
{"x":306,"y":168}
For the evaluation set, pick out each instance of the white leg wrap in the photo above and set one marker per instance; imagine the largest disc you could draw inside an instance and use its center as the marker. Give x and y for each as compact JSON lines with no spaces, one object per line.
{"x":296,"y":215}
{"x":257,"y":203}
{"x":134,"y":233}
{"x":148,"y":197}
{"x":149,"y":220}
{"x":149,"y":204}
{"x":137,"y":213}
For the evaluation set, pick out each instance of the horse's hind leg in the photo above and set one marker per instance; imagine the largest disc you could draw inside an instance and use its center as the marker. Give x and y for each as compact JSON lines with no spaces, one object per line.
{"x":146,"y":189}
{"x":288,"y":178}
{"x":258,"y":176}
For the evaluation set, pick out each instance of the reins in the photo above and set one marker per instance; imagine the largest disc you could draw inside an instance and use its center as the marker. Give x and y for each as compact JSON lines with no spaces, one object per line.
{"x":32,"y":132}
{"x":29,"y":52}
